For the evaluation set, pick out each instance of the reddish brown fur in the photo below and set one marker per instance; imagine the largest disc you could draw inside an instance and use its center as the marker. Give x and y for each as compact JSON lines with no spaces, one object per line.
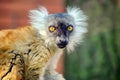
{"x":7,"y":37}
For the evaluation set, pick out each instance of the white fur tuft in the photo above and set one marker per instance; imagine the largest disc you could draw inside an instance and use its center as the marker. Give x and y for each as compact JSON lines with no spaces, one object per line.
{"x":38,"y":19}
{"x":79,"y":28}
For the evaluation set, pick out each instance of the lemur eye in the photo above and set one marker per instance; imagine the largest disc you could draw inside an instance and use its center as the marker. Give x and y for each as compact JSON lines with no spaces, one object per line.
{"x":70,"y":28}
{"x":52,"y":28}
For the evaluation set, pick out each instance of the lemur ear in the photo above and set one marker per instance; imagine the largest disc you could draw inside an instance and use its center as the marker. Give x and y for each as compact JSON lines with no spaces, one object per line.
{"x":77,"y":14}
{"x":38,"y":17}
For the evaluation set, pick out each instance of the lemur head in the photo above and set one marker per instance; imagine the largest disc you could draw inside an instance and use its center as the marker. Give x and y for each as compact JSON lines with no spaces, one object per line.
{"x":60,"y":29}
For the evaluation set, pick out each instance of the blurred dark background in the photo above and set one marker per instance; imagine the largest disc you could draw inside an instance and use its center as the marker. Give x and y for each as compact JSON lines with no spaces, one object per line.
{"x":98,"y":56}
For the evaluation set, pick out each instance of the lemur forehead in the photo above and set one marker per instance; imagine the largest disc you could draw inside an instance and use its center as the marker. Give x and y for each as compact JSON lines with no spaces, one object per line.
{"x":59,"y":15}
{"x":64,"y":17}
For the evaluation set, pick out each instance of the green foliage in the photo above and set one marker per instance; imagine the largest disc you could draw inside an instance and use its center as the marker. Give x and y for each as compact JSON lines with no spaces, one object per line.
{"x":97,"y":58}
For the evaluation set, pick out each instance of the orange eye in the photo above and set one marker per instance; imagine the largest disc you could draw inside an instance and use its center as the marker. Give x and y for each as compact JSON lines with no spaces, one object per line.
{"x":70,"y":28}
{"x":52,"y":28}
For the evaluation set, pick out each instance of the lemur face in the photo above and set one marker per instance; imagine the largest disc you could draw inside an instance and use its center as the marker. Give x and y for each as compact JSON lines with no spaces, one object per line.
{"x":60,"y":29}
{"x":61,"y":33}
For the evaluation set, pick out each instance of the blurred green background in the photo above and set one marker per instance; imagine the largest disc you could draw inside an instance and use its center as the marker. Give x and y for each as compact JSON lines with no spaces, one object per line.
{"x":97,"y":58}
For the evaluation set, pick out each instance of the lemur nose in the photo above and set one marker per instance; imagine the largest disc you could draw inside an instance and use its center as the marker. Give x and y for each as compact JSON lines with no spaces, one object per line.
{"x":62,"y":43}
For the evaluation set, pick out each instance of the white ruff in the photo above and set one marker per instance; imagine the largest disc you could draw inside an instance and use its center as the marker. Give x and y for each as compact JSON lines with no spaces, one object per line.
{"x":38,"y":19}
{"x":79,"y":28}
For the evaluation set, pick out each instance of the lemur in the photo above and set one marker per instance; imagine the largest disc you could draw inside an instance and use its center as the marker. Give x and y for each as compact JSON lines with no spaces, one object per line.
{"x":32,"y":52}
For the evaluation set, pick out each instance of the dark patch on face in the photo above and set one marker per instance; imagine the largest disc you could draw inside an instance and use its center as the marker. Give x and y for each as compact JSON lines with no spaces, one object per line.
{"x":63,"y":35}
{"x":62,"y":28}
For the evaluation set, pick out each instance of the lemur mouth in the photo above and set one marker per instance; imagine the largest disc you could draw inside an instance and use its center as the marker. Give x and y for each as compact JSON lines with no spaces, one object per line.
{"x":62,"y":44}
